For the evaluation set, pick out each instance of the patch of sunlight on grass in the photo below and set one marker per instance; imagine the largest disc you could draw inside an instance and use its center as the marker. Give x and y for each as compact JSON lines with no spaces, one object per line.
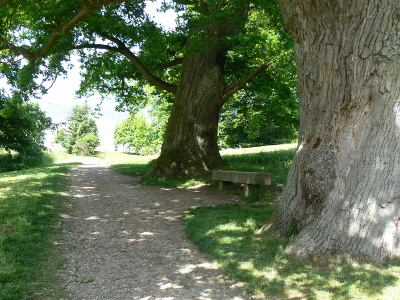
{"x":259,"y":149}
{"x":114,"y":158}
{"x":189,"y":183}
{"x":247,"y":265}
{"x":13,"y":179}
{"x":229,"y":240}
{"x":226,"y":233}
{"x":250,"y":223}
{"x":226,"y":227}
{"x":30,"y":206}
{"x":322,"y":295}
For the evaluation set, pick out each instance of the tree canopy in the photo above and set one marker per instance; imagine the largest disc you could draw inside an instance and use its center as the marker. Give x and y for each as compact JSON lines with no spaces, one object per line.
{"x":122,"y":51}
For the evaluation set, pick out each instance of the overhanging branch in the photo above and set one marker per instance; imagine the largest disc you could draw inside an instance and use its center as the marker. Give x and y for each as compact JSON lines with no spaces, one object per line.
{"x":122,"y":49}
{"x":61,"y":30}
{"x":231,"y":88}
{"x":89,"y":6}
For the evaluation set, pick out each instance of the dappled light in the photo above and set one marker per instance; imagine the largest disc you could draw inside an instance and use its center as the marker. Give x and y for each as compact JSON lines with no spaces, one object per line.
{"x":131,"y":238}
{"x":227,"y":232}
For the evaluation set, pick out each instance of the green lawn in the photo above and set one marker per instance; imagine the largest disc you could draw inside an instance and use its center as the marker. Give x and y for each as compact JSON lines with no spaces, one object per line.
{"x":30,"y":205}
{"x":230,"y":234}
{"x":129,"y":164}
{"x":271,"y":159}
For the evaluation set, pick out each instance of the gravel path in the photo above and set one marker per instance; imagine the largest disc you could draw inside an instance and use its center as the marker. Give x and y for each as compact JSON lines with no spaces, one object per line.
{"x":123,"y":240}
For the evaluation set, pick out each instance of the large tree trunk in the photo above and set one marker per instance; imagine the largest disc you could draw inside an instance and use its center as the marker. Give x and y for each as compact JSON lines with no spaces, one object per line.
{"x":343,"y":189}
{"x":190,"y":144}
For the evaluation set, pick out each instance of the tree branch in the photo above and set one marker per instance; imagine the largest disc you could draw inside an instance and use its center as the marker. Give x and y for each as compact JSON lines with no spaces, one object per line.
{"x":150,"y":77}
{"x":173,"y":63}
{"x":231,"y":88}
{"x":122,"y":49}
{"x":94,"y":46}
{"x":113,"y":39}
{"x":89,"y":6}
{"x":61,"y":30}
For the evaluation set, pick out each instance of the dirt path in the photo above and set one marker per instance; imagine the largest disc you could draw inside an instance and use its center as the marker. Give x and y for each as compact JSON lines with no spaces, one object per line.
{"x":128,"y":242}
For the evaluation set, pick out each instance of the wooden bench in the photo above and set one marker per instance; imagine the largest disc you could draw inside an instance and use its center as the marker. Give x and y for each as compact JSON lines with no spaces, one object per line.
{"x":246,"y":178}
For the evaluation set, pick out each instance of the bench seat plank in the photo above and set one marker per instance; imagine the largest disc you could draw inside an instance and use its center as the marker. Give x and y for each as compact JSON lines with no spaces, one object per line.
{"x":247,"y":178}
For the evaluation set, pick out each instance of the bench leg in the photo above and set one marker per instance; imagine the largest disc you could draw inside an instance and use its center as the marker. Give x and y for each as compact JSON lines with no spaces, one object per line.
{"x":246,"y":189}
{"x":222,"y":184}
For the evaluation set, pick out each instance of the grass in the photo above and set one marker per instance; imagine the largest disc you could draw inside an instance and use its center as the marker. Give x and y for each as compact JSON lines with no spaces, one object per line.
{"x":276,"y":162}
{"x":136,"y":165}
{"x":229,"y":234}
{"x":129,"y":164}
{"x":31,"y":201}
{"x":30,"y":204}
{"x":271,"y":159}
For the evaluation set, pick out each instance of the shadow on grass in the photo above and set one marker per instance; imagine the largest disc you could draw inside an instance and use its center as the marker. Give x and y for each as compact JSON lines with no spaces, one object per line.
{"x":132,"y":169}
{"x":227,"y":232}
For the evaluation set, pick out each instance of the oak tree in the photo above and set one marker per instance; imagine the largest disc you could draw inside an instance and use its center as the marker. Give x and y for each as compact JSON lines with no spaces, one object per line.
{"x":343,"y":189}
{"x":121,"y":49}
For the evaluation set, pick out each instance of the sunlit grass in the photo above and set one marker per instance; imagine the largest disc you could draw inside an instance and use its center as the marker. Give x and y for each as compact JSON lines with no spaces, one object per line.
{"x":229,"y":234}
{"x":30,"y":204}
{"x":129,"y":164}
{"x":274,"y":159}
{"x":271,"y":148}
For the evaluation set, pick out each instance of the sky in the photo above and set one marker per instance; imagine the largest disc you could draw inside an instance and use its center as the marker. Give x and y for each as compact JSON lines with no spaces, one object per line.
{"x":60,"y":99}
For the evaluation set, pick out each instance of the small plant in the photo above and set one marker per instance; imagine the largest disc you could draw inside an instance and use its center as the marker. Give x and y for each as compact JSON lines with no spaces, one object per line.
{"x":84,"y":279}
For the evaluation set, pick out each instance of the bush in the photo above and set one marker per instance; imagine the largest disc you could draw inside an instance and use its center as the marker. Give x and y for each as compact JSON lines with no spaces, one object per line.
{"x":10,"y":162}
{"x":86,"y":145}
{"x":16,"y":161}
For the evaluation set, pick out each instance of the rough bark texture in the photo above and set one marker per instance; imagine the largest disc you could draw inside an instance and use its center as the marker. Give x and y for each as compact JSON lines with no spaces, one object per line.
{"x":343,"y":189}
{"x":190,"y":145}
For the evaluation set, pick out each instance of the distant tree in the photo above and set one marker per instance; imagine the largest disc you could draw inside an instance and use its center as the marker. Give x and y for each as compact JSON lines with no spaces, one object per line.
{"x":81,"y":137}
{"x":138,"y":135}
{"x":62,"y":138}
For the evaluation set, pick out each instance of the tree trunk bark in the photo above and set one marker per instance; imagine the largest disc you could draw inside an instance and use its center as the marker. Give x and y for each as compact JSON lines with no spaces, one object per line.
{"x":190,"y":144}
{"x":343,"y":189}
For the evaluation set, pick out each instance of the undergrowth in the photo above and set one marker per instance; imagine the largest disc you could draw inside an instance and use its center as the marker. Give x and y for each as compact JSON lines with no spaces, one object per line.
{"x":15,"y":161}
